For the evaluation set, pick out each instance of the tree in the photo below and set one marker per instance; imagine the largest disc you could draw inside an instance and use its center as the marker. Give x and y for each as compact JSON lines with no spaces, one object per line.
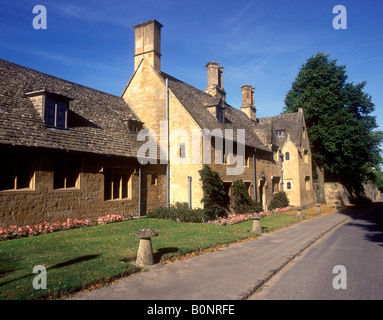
{"x":215,"y":199}
{"x":379,"y":180}
{"x":242,"y":202}
{"x":339,"y":124}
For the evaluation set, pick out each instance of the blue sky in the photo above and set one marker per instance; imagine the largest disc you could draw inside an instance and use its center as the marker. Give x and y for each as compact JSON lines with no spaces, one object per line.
{"x":261,"y":43}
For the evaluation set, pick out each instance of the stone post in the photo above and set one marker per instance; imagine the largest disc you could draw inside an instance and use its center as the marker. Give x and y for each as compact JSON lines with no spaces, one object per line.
{"x":145,"y":251}
{"x":299,"y":213}
{"x":257,"y":228}
{"x":319,"y":210}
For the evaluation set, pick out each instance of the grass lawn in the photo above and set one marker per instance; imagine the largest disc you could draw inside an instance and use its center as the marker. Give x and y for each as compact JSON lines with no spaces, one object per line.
{"x":81,"y":258}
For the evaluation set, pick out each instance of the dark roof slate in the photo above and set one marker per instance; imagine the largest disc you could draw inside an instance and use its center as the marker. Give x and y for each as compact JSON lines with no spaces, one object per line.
{"x":292,"y":123}
{"x":95,"y":118}
{"x":196,"y":102}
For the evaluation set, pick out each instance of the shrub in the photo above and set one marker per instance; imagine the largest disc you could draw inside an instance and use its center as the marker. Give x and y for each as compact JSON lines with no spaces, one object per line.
{"x":215,"y":199}
{"x":179,"y":212}
{"x":279,"y":200}
{"x":242,"y":201}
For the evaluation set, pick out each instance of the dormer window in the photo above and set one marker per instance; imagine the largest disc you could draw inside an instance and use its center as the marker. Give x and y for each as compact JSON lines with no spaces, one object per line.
{"x":134,"y":126}
{"x":280,"y":133}
{"x":56,"y":113}
{"x":220,"y":114}
{"x":52,"y":107}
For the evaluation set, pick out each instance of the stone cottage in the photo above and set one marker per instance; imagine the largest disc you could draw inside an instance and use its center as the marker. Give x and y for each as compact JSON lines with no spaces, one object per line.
{"x":287,"y":135}
{"x":70,"y":151}
{"x":192,"y":111}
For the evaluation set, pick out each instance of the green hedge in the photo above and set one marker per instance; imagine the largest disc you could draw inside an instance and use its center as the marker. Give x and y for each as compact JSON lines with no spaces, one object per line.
{"x":242,"y":202}
{"x":280,"y":200}
{"x":179,"y":212}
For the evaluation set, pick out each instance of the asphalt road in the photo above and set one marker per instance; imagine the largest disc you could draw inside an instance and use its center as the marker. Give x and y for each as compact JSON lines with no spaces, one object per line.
{"x":357,"y":247}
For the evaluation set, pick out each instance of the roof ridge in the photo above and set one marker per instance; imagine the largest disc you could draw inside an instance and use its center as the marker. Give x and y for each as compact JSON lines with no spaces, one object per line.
{"x":55,"y":77}
{"x":170,"y":77}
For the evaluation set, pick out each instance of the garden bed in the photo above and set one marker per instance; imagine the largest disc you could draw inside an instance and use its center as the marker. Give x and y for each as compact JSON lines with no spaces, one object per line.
{"x":93,"y":256}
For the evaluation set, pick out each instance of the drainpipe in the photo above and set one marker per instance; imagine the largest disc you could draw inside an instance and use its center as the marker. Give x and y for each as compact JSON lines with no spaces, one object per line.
{"x":281,"y":156}
{"x":167,"y":146}
{"x":254,"y":177}
{"x":190,"y":191}
{"x":139,"y":190}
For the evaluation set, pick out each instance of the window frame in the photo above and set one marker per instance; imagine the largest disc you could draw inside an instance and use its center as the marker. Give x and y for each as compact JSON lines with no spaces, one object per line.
{"x":307,"y":183}
{"x":134,"y":126}
{"x":57,"y":99}
{"x":280,"y":133}
{"x":65,"y":165}
{"x":287,"y":156}
{"x":27,"y":170}
{"x":220,"y":114}
{"x":275,"y":184}
{"x":306,"y":156}
{"x":154,"y":180}
{"x":182,"y":150}
{"x":125,"y":184}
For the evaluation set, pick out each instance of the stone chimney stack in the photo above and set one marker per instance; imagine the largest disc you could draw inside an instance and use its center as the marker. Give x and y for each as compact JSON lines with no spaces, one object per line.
{"x":147,"y":43}
{"x":248,"y":106}
{"x":215,"y":80}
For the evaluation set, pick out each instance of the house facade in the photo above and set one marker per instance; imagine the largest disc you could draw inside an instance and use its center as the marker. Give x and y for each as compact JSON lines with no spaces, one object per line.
{"x":70,"y":151}
{"x":196,"y":116}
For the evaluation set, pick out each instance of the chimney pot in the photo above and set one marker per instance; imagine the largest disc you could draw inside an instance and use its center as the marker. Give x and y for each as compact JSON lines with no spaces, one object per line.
{"x":147,"y":43}
{"x":248,"y":106}
{"x":215,"y":80}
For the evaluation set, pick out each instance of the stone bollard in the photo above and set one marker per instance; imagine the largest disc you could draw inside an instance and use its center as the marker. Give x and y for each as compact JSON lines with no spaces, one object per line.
{"x":336,"y":205}
{"x":257,"y":228}
{"x":145,"y":251}
{"x":299,"y":213}
{"x":319,"y":210}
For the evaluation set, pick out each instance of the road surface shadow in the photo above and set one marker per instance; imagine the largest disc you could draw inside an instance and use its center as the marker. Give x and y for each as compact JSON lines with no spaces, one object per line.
{"x":370,"y":218}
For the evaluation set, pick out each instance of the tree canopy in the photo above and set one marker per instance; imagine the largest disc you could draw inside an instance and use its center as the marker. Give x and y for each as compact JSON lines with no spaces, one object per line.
{"x":341,"y":129}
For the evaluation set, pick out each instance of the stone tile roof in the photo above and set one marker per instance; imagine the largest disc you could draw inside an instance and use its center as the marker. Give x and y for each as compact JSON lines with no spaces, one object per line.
{"x":195,"y":101}
{"x":292,"y":124}
{"x":95,"y":118}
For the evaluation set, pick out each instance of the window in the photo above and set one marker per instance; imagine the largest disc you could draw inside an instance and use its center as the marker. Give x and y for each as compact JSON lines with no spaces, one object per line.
{"x":134,"y":125}
{"x":248,"y":185}
{"x":225,"y":155}
{"x":228,"y":188}
{"x":280,"y":133}
{"x":220,"y":114}
{"x":289,"y":185}
{"x":308,"y":183}
{"x":117,"y":186}
{"x":275,"y":184}
{"x":16,"y":173}
{"x":247,"y":160}
{"x":56,"y":112}
{"x":65,"y":174}
{"x":154,"y":180}
{"x":306,"y":156}
{"x":287,"y":156}
{"x":181,"y":150}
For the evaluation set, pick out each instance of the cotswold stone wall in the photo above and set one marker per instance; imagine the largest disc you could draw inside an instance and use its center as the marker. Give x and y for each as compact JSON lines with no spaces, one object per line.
{"x":335,"y":191}
{"x":42,"y":202}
